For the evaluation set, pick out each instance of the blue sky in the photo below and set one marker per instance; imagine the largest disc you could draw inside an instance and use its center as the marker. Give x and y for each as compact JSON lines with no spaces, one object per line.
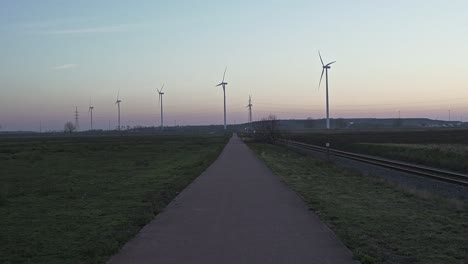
{"x":396,"y":55}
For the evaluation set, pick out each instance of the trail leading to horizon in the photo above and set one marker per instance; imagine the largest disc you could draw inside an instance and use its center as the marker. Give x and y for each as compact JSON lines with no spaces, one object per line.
{"x":237,"y":211}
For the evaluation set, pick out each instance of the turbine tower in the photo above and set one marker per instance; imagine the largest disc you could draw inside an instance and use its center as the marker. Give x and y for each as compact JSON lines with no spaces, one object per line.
{"x":250,"y":108}
{"x":325,"y":68}
{"x":223,"y":84}
{"x":77,"y":125}
{"x":91,"y":114}
{"x":161,"y":104}
{"x":117,"y":102}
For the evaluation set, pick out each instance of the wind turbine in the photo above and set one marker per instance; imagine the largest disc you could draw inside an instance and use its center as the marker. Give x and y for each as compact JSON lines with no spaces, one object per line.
{"x":161,"y":104}
{"x":325,"y":68}
{"x":77,"y":124}
{"x":223,"y":84}
{"x":117,"y":102}
{"x":250,"y":108}
{"x":91,"y":113}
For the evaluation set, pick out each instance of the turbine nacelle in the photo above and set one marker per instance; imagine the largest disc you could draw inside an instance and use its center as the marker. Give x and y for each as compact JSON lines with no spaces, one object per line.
{"x":161,"y":91}
{"x":325,"y":67}
{"x":223,"y":83}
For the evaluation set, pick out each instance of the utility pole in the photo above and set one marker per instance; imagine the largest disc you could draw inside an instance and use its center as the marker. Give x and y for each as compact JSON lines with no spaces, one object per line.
{"x":449,"y":112}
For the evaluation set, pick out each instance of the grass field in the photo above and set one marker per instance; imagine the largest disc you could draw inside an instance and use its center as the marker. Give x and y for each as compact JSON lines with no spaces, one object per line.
{"x":446,"y":149}
{"x":77,"y":200}
{"x":378,"y":221}
{"x":344,"y":138}
{"x":453,"y":157}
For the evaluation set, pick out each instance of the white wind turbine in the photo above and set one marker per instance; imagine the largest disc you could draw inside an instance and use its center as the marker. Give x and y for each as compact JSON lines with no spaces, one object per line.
{"x":223,"y":84}
{"x":250,"y":108}
{"x":325,"y":68}
{"x":91,"y":113}
{"x":117,"y":102}
{"x":160,"y":92}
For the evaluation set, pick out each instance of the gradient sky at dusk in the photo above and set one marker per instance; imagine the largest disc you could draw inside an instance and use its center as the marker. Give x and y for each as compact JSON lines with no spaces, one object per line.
{"x":410,"y":56}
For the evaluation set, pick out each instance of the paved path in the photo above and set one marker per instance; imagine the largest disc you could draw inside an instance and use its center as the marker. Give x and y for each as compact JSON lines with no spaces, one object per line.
{"x":238,"y":212}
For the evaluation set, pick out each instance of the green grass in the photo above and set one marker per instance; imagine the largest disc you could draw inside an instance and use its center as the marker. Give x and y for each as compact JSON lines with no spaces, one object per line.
{"x":446,"y":156}
{"x":342,"y":139}
{"x":378,"y":221}
{"x":78,"y":200}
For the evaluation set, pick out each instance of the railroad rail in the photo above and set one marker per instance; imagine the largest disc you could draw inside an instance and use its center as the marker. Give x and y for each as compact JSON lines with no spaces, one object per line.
{"x":438,"y":174}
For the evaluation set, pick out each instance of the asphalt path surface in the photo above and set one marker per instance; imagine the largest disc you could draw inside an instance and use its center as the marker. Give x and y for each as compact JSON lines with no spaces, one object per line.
{"x":237,"y":211}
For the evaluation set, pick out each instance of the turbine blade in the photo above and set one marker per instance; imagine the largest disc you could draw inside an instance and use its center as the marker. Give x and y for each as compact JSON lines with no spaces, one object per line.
{"x":321,"y":58}
{"x":330,"y":63}
{"x":158,"y":91}
{"x":118,"y":95}
{"x":219,"y":84}
{"x":321,"y":76}
{"x":162,"y":87}
{"x":224,"y":75}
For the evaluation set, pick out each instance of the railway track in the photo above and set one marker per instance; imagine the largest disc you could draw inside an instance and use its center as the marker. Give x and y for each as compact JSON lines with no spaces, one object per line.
{"x":438,"y":174}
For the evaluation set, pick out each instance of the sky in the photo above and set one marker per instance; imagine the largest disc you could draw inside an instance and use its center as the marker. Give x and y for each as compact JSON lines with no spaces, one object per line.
{"x":407,"y":56}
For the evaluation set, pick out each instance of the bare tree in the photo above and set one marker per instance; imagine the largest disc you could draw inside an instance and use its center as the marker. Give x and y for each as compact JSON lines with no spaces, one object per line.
{"x":69,"y":127}
{"x":267,"y":129}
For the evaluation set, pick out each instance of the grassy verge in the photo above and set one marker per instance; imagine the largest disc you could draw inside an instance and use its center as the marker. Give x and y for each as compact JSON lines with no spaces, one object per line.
{"x":452,"y":157}
{"x":379,"y":222}
{"x":442,"y":148}
{"x":77,"y":200}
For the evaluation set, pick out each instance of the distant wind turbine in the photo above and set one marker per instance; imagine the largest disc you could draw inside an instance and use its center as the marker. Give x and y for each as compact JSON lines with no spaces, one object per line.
{"x":77,"y":124}
{"x":223,"y":84}
{"x":325,"y":68}
{"x":250,"y":108}
{"x":91,"y":114}
{"x":117,"y":102}
{"x":161,"y":104}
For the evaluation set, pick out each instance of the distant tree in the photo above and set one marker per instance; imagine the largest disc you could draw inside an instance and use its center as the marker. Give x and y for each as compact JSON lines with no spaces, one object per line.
{"x":69,"y":127}
{"x":267,"y":129}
